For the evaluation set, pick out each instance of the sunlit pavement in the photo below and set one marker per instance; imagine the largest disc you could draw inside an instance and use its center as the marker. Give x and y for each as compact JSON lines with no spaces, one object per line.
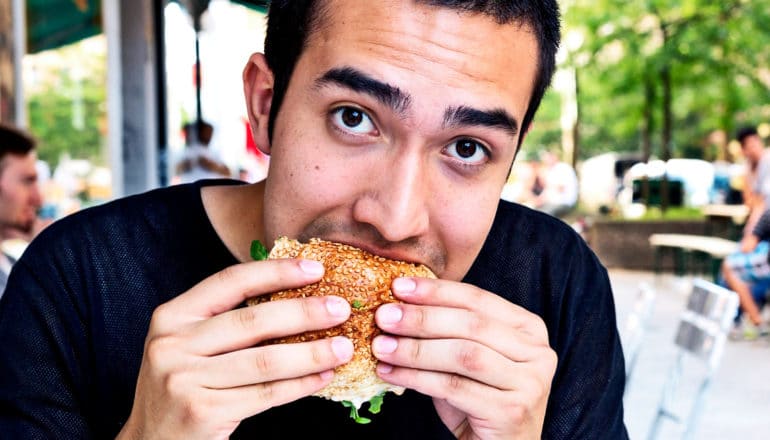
{"x":737,"y":406}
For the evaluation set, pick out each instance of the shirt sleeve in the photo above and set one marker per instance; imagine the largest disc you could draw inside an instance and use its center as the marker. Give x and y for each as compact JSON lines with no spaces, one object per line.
{"x":762,"y":228}
{"x":41,"y":361}
{"x":586,"y":400}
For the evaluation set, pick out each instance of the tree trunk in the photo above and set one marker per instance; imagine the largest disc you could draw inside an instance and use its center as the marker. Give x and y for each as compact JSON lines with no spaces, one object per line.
{"x":666,"y":134}
{"x":648,"y":125}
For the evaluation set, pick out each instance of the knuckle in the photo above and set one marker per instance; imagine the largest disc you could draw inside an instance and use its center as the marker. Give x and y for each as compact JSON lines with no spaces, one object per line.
{"x":266,"y":393}
{"x":517,"y":411}
{"x":307,"y":308}
{"x":454,"y":383}
{"x":414,"y":351}
{"x":157,"y":349}
{"x":477,"y":325}
{"x":247,"y":317}
{"x":226,"y":275}
{"x":419,"y":317}
{"x":319,"y":354}
{"x":175,"y":385}
{"x":263,"y":362}
{"x":469,"y":358}
{"x":196,"y":412}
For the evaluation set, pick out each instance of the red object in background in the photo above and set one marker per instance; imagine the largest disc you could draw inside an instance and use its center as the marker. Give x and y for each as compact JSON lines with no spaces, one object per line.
{"x":251,"y":146}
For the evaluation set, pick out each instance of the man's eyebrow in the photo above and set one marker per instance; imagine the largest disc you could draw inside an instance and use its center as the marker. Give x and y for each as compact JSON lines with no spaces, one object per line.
{"x":360,"y":82}
{"x":468,"y":116}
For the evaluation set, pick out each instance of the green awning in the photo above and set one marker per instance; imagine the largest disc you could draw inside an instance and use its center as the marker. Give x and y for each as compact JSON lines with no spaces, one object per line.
{"x":259,"y":5}
{"x":54,"y":23}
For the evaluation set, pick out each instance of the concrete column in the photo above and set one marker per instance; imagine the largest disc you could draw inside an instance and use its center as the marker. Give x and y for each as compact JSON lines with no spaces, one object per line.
{"x":134,"y":93}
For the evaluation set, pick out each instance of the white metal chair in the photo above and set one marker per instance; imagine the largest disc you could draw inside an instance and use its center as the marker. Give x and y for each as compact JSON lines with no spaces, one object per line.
{"x":702,"y":332}
{"x":636,"y":327}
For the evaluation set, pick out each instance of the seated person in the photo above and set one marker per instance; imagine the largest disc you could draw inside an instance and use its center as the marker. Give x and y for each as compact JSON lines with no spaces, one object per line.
{"x":747,"y":272}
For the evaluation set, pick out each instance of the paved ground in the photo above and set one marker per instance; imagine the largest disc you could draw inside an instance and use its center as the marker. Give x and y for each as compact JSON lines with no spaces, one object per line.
{"x":738,"y":405}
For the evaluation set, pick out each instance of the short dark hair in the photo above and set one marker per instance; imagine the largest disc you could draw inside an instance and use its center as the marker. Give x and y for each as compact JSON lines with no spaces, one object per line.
{"x":745,"y":132}
{"x":290,"y":22}
{"x":14,"y":141}
{"x":198,"y":130}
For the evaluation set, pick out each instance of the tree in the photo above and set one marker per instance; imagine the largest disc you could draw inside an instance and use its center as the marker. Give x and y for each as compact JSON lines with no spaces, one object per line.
{"x":67,"y":104}
{"x":661,"y":76}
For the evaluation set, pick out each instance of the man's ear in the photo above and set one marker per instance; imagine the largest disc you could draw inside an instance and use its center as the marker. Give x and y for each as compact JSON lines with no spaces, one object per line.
{"x":258,"y":83}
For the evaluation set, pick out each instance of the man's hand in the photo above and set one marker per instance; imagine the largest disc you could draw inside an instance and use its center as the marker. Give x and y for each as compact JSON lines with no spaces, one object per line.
{"x":485,"y":361}
{"x":749,"y":243}
{"x":201,"y":373}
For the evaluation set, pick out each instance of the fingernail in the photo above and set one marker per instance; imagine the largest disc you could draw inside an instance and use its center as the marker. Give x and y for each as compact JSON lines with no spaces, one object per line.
{"x":311,"y":267}
{"x":328,"y":374}
{"x":390,"y":314}
{"x":404,"y":285}
{"x":337,"y":306}
{"x":384,"y":344}
{"x":384,"y":368}
{"x":342,"y":348}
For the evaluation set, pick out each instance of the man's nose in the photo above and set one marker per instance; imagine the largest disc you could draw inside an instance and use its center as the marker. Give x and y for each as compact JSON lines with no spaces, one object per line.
{"x":396,"y":203}
{"x":36,"y":198}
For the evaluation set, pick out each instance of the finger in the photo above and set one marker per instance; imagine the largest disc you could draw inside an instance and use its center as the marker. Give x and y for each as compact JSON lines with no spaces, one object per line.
{"x":466,"y":395}
{"x":236,"y":404}
{"x":232,"y":286}
{"x":428,"y":322}
{"x":275,"y":362}
{"x":426,"y":291}
{"x":456,"y":356}
{"x":247,"y":326}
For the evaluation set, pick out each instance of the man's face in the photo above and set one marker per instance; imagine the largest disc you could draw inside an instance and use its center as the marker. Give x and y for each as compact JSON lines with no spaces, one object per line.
{"x":752,"y":148}
{"x":398,"y":129}
{"x":19,"y":193}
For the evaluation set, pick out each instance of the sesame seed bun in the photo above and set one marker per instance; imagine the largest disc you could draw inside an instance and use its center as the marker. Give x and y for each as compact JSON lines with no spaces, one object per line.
{"x":364,"y":280}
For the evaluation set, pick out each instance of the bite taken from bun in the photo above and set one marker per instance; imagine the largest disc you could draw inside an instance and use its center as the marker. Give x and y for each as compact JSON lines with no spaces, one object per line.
{"x":364,"y":280}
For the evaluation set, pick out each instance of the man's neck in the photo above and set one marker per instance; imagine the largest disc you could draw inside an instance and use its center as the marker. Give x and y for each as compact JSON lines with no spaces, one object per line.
{"x":236,"y":227}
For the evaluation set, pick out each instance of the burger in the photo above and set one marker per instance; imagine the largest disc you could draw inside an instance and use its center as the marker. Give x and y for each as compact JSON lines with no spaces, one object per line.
{"x":364,"y":280}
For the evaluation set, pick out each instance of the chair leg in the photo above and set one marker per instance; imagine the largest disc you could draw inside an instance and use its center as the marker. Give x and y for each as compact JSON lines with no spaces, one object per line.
{"x":697,"y":408}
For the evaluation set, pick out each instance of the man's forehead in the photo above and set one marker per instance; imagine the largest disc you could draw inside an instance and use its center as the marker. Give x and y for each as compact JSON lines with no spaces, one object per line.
{"x":466,"y":52}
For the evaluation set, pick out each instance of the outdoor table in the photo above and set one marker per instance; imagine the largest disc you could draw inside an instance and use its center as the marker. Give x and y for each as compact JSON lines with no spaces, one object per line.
{"x":729,"y":218}
{"x":714,"y":249}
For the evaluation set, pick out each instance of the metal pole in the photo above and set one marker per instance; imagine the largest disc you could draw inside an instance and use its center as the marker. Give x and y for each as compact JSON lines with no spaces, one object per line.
{"x":18,"y":9}
{"x":111,"y":26}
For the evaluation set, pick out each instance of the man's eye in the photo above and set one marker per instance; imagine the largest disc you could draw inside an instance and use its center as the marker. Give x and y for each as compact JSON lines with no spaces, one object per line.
{"x":353,"y":119}
{"x":467,"y":150}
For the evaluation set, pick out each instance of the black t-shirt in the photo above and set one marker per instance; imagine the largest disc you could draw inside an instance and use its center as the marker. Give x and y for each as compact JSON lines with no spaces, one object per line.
{"x":79,"y":301}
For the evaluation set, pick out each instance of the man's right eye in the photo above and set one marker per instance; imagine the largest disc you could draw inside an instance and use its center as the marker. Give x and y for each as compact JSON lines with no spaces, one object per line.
{"x":353,"y":120}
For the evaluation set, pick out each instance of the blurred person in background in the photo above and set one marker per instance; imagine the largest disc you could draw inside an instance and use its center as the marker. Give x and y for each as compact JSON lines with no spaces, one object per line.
{"x":19,"y":193}
{"x":559,"y":192}
{"x":747,"y":271}
{"x":756,"y":190}
{"x":198,"y":161}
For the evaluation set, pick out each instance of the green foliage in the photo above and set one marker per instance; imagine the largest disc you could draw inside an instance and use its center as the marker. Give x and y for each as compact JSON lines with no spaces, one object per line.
{"x":67,"y":107}
{"x":716,"y":54}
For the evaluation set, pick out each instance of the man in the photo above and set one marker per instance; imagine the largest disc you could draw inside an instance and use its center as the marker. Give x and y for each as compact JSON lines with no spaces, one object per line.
{"x":19,"y":193}
{"x":747,"y":271}
{"x":756,"y":192}
{"x":391,"y":126}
